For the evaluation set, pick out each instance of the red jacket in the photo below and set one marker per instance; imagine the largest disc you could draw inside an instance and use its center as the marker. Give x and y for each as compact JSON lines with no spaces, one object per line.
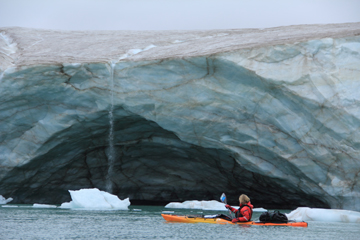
{"x":245,"y":212}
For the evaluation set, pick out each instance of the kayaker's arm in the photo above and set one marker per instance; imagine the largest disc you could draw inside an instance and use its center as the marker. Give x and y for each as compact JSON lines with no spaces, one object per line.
{"x":230,"y":208}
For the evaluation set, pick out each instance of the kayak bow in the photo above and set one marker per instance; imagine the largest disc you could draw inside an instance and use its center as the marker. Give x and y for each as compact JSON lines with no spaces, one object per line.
{"x":196,"y":219}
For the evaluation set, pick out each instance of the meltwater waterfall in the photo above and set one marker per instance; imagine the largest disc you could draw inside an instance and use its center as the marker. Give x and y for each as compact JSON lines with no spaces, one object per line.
{"x":111,"y":150}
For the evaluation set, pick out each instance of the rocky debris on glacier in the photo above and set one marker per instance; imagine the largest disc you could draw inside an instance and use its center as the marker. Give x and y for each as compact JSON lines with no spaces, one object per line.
{"x":272,"y":113}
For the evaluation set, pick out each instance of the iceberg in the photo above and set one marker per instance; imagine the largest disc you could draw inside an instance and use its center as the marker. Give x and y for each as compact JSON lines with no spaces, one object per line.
{"x":95,"y":199}
{"x":259,"y":209}
{"x":4,"y":200}
{"x":324,"y":215}
{"x":205,"y":205}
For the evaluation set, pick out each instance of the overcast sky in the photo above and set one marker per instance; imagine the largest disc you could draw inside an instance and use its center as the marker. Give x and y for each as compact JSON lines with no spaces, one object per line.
{"x":173,"y":14}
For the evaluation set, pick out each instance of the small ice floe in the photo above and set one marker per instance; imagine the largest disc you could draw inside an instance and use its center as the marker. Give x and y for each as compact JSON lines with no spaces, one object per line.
{"x":324,"y":215}
{"x":95,"y":199}
{"x":259,"y":210}
{"x":205,"y":205}
{"x":137,"y":210}
{"x":4,"y":200}
{"x":177,"y":41}
{"x":38,"y":205}
{"x":10,"y":206}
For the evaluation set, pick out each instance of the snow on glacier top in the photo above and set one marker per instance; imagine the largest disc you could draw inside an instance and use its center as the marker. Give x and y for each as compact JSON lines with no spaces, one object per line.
{"x":39,"y":46}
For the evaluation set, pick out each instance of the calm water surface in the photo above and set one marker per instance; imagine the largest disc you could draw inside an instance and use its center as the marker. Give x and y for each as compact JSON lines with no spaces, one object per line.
{"x":145,"y":222}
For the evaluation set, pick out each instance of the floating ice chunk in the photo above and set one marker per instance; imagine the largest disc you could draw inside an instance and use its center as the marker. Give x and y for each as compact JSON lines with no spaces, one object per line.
{"x":95,"y":199}
{"x":205,"y":205}
{"x":177,"y":41}
{"x":37,"y":205}
{"x":259,"y":210}
{"x":4,"y":200}
{"x":10,"y":206}
{"x":324,"y":215}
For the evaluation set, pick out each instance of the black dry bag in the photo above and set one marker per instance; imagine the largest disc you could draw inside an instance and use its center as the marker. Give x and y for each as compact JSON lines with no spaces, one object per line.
{"x":273,"y":217}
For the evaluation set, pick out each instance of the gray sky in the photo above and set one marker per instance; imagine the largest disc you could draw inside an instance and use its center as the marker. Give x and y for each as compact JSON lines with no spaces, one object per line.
{"x":173,"y":14}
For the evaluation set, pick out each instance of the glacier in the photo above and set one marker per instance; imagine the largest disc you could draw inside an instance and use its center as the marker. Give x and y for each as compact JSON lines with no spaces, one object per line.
{"x":272,"y":113}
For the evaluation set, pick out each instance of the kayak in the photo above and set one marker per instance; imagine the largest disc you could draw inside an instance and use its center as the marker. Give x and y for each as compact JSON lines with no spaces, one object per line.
{"x":204,"y":219}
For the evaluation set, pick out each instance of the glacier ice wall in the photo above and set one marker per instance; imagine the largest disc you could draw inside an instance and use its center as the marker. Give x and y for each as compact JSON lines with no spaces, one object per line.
{"x":271,"y":113}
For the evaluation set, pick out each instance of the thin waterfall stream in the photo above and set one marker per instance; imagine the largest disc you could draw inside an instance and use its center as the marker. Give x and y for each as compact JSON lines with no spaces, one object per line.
{"x":111,"y":150}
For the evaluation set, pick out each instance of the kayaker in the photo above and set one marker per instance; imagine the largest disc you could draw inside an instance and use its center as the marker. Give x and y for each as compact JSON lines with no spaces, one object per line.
{"x":244,"y":213}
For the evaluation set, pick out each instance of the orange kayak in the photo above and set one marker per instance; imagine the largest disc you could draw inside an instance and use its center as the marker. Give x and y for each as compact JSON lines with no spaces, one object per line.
{"x":195,"y":219}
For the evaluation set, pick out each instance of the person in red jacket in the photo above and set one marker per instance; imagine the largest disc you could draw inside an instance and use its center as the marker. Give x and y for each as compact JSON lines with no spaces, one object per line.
{"x":244,"y":213}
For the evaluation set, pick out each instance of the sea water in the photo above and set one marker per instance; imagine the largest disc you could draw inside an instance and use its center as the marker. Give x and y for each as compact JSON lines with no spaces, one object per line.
{"x":145,"y":222}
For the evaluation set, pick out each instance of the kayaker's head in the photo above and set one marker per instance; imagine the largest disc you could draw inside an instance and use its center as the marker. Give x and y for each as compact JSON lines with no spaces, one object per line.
{"x":243,"y":199}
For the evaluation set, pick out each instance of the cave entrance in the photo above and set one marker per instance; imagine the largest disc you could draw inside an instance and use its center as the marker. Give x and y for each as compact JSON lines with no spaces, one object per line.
{"x":151,"y":166}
